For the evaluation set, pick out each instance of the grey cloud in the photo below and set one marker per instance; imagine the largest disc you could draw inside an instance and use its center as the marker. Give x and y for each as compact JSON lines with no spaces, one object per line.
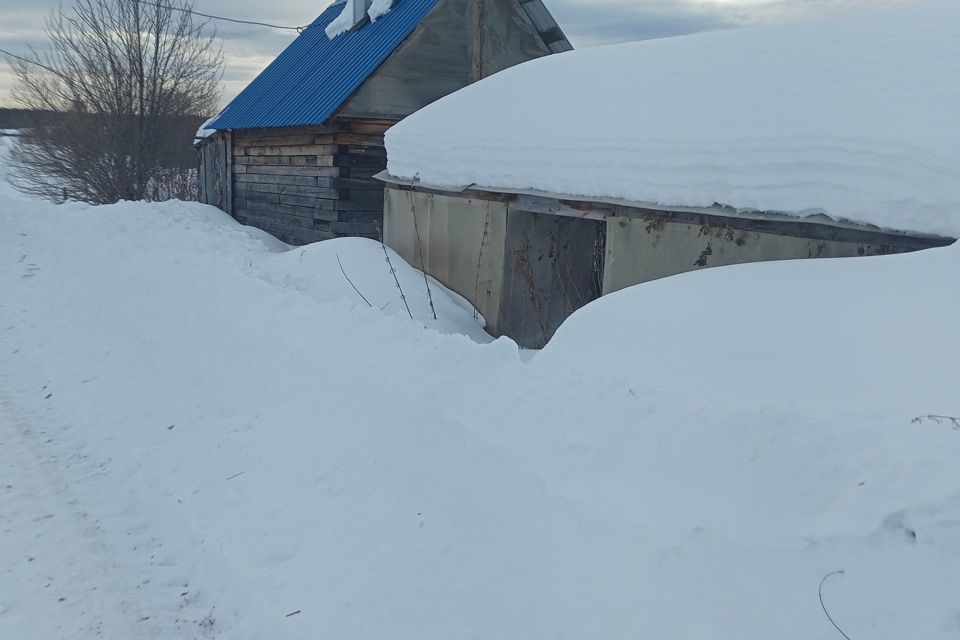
{"x":248,"y":48}
{"x":589,"y":23}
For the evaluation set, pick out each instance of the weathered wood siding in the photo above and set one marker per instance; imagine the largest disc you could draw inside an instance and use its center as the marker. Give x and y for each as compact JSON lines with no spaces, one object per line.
{"x":309,"y":183}
{"x":458,"y":43}
{"x":214,"y":171}
{"x":306,"y":184}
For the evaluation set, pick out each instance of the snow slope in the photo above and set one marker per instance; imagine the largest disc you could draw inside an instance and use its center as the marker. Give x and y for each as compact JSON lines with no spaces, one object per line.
{"x":204,"y":433}
{"x":854,"y":115}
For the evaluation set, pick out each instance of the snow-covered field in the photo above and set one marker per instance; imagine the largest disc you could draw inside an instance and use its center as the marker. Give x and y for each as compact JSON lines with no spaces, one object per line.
{"x":206,"y":434}
{"x":855,"y":116}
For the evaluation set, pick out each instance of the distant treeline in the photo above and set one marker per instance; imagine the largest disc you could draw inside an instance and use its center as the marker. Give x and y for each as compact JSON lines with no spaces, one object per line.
{"x":20,"y":118}
{"x":24,"y":118}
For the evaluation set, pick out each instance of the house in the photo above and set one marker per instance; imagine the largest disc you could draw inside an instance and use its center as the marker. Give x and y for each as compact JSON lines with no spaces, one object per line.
{"x":296,"y":151}
{"x":535,"y":191}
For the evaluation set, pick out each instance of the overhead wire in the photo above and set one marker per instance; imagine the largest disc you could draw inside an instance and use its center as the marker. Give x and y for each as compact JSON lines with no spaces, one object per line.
{"x":29,"y":61}
{"x":162,"y":5}
{"x":155,"y":3}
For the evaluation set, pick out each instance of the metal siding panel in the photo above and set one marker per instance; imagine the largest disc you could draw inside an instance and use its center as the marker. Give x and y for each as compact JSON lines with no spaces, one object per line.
{"x":315,"y":75}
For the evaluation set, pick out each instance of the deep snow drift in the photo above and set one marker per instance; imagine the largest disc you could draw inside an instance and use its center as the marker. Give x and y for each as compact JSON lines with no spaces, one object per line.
{"x":206,"y":434}
{"x":855,"y":116}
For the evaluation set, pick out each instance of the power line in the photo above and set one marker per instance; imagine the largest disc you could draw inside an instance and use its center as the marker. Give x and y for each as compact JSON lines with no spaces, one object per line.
{"x":154,"y":3}
{"x":28,"y":61}
{"x":213,"y":17}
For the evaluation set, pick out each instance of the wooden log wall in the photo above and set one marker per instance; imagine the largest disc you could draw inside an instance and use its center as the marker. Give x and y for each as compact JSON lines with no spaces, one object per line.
{"x":306,"y":184}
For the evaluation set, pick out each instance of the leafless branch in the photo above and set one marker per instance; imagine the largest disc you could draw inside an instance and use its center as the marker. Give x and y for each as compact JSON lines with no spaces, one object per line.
{"x":393,"y":272}
{"x":423,"y":269}
{"x":131,"y":80}
{"x":351,"y":282}
{"x":951,"y":420}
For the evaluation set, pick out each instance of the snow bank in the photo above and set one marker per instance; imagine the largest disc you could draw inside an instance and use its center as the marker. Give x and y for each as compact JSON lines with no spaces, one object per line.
{"x":344,"y":21}
{"x":208,"y":434}
{"x":313,"y":271}
{"x":855,"y":116}
{"x":833,"y":332}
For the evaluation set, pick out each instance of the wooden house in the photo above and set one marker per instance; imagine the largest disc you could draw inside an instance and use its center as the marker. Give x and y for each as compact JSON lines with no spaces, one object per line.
{"x":295,"y":153}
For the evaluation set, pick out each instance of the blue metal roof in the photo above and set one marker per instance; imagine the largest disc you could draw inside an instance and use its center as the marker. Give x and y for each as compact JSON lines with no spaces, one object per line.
{"x":309,"y":81}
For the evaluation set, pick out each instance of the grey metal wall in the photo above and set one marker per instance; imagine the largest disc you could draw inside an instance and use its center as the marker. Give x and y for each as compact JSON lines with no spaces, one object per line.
{"x":527,"y":269}
{"x":641,"y":249}
{"x":553,"y":266}
{"x":462,"y":239}
{"x":525,"y":272}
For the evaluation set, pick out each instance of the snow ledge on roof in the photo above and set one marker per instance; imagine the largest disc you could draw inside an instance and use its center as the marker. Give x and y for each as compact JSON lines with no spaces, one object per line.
{"x":205,"y":131}
{"x":855,"y":116}
{"x":344,"y":22}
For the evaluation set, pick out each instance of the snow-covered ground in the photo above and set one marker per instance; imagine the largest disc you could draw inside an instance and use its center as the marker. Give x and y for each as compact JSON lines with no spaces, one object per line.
{"x":205,"y":433}
{"x":855,"y":116}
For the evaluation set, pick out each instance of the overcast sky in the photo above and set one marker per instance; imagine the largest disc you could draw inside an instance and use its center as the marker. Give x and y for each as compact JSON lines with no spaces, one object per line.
{"x":586,"y":22}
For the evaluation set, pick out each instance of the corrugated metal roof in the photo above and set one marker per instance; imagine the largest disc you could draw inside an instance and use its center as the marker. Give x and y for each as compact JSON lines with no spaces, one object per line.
{"x":315,"y":75}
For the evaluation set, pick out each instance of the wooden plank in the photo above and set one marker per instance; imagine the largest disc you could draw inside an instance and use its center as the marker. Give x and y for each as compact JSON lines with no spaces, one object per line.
{"x":306,"y":181}
{"x":361,"y":195}
{"x":277,"y":140}
{"x":273,"y":209}
{"x":366,"y":126}
{"x":258,"y":196}
{"x":362,"y":184}
{"x":309,"y":202}
{"x":371,"y":161}
{"x":267,"y":170}
{"x":354,"y":205}
{"x":276,"y":160}
{"x":307,"y":218}
{"x":312,"y":129}
{"x":368,"y":140}
{"x":309,"y":207}
{"x":362,"y":173}
{"x":361,"y":150}
{"x":354,"y":228}
{"x":294,"y":150}
{"x":228,"y":179}
{"x":320,"y":191}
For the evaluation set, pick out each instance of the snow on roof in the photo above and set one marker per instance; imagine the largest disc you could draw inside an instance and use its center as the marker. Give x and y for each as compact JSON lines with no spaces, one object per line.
{"x":857,"y":117}
{"x":345,"y":20}
{"x":205,"y":131}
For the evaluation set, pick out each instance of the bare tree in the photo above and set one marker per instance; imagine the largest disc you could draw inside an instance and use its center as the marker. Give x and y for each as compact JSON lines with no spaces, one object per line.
{"x":131,"y":80}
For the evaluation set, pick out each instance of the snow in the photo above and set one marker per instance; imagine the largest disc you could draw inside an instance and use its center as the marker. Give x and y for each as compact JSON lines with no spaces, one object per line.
{"x":344,"y":20}
{"x":379,"y":8}
{"x":342,"y":23}
{"x":855,"y":116}
{"x":207,"y":433}
{"x":205,"y":131}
